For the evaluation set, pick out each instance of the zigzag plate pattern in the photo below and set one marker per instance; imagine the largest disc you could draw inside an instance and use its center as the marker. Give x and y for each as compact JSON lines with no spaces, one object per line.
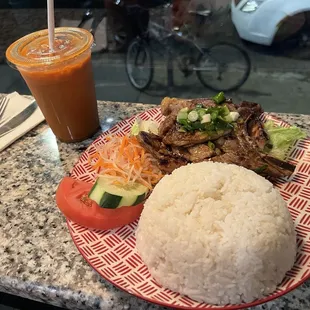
{"x":113,"y":254}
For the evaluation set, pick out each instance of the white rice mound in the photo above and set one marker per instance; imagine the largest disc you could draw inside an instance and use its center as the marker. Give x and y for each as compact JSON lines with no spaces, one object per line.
{"x":217,"y":233}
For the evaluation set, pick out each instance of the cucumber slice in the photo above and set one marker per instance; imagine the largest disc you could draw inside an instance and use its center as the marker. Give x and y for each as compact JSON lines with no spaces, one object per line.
{"x":140,"y":199}
{"x":128,"y":200}
{"x":135,"y":189}
{"x":110,"y":201}
{"x":96,"y":193}
{"x":111,"y":196}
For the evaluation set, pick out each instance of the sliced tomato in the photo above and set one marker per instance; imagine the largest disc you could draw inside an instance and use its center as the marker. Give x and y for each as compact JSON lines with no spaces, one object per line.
{"x":72,"y":199}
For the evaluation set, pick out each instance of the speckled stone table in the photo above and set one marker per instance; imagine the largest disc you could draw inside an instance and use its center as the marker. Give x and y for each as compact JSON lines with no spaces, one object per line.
{"x":38,"y":258}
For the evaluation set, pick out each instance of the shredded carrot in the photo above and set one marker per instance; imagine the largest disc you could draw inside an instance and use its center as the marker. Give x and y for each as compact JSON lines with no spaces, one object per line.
{"x":124,"y":159}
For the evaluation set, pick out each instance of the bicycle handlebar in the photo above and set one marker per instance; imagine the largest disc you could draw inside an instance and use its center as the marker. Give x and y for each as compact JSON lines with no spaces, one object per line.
{"x":144,"y":5}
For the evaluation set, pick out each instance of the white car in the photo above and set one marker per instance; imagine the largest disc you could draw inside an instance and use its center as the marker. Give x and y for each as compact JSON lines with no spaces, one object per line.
{"x":260,"y":21}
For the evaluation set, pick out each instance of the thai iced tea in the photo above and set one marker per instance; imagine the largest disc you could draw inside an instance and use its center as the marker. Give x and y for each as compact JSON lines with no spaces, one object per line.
{"x":61,"y":80}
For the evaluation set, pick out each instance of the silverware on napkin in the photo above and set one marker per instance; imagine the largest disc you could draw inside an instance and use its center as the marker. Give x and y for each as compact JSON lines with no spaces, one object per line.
{"x":17,"y":119}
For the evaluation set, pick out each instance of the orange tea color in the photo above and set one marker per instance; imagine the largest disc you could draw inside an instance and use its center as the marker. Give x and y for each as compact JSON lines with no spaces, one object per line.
{"x":61,"y":81}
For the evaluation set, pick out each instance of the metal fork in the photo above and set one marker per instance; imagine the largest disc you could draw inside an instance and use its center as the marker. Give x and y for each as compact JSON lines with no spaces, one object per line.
{"x":3,"y":104}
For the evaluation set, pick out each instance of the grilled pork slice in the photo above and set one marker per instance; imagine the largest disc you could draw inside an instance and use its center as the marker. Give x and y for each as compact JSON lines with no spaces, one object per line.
{"x":255,"y":130}
{"x":275,"y":168}
{"x":234,"y":149}
{"x":167,"y":164}
{"x":200,"y":152}
{"x":169,"y":129}
{"x":245,"y":109}
{"x":253,"y":127}
{"x":166,"y":158}
{"x":174,"y":105}
{"x":176,"y":138}
{"x":193,"y":154}
{"x":242,"y":145}
{"x":260,"y":164}
{"x":284,"y":168}
{"x":170,"y":158}
{"x":239,"y":149}
{"x":168,"y":123}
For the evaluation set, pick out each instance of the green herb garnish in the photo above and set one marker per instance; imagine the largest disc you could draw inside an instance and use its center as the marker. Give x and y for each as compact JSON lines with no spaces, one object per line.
{"x":191,"y":120}
{"x":219,"y":98}
{"x":211,"y":145}
{"x":260,"y":169}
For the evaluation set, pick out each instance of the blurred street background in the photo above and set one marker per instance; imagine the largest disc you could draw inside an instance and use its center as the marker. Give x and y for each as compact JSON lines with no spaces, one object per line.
{"x":279,"y":77}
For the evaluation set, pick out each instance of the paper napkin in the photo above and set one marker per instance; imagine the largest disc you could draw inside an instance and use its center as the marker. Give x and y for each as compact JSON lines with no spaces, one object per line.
{"x":16,"y":105}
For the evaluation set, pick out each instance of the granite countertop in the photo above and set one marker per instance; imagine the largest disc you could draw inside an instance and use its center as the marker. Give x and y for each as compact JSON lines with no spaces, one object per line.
{"x":38,"y":258}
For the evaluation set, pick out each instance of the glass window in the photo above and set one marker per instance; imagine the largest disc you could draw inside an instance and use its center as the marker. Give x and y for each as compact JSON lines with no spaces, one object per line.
{"x":254,"y":50}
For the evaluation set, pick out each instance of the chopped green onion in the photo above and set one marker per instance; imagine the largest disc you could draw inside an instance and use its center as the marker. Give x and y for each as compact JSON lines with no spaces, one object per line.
{"x":219,"y":98}
{"x":211,"y":145}
{"x":206,"y":119}
{"x":234,"y":116}
{"x":202,"y":112}
{"x":260,"y":169}
{"x":214,"y":119}
{"x":225,"y":110}
{"x":228,"y":119}
{"x":193,"y":116}
{"x":221,"y":125}
{"x":218,"y":151}
{"x":186,"y":125}
{"x":214,"y":115}
{"x":182,"y":115}
{"x":198,"y":126}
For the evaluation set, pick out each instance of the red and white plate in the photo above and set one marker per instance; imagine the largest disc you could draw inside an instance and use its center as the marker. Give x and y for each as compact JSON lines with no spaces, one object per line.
{"x":112,"y":253}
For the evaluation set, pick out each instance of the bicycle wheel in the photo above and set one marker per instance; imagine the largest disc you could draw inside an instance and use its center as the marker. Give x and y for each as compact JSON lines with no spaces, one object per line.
{"x":139,"y":64}
{"x":223,"y":67}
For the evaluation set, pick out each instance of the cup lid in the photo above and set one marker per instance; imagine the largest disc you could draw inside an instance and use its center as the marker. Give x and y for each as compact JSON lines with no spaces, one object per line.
{"x":33,"y":50}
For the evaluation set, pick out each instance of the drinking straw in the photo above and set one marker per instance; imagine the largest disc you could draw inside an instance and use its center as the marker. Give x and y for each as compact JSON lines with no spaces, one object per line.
{"x":51,"y":23}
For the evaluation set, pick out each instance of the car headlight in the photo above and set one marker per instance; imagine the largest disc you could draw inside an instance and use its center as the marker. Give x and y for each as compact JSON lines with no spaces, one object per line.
{"x":251,"y":6}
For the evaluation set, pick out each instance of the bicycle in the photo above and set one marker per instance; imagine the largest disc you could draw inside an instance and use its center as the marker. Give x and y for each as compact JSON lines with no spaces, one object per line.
{"x":211,"y":64}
